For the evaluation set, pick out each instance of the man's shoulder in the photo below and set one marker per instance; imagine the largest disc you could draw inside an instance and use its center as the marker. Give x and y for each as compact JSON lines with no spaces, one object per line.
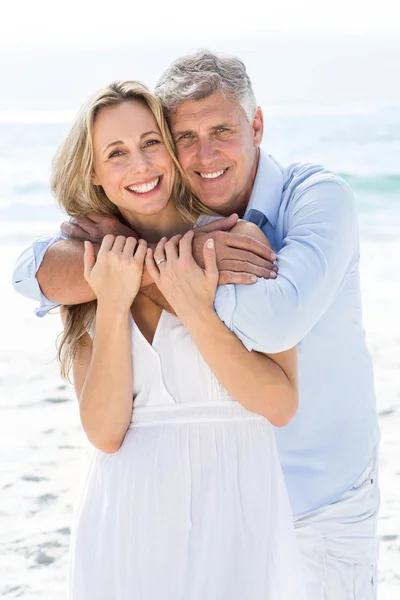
{"x":301,"y":176}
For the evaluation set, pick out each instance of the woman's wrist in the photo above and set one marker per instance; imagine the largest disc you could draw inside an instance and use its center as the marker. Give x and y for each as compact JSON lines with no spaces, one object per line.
{"x":199,"y":321}
{"x":112,"y":310}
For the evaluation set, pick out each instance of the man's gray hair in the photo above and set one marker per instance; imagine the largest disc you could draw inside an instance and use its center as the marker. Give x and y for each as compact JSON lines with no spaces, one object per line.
{"x":198,"y":76}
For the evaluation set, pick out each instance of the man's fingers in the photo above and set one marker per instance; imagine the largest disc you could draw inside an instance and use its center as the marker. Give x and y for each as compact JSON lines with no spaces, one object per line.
{"x":235,"y":254}
{"x":220,"y":224}
{"x":245,"y":242}
{"x":73,"y":231}
{"x":210,"y":260}
{"x":267,"y":271}
{"x":95,"y":217}
{"x":226,"y":277}
{"x":89,"y":259}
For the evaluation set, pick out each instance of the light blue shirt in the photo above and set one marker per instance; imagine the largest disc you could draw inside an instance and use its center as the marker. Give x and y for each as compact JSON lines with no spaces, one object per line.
{"x":309,"y":216}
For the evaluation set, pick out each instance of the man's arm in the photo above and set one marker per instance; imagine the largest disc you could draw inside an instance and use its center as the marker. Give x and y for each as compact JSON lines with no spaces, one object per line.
{"x":24,"y":273}
{"x":59,"y":270}
{"x":319,"y":251}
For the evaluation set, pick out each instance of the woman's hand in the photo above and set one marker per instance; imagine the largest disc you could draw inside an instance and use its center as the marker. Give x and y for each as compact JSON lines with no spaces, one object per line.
{"x":189,"y":289}
{"x":116,"y":274}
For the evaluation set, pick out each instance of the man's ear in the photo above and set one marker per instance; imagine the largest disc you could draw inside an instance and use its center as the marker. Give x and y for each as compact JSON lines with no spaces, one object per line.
{"x":258,"y":127}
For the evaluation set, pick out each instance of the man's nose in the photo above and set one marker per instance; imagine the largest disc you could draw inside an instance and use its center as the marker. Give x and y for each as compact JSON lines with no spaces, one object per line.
{"x":206,"y":152}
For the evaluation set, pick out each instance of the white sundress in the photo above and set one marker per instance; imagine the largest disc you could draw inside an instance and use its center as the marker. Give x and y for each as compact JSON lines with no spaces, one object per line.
{"x":193,"y":505}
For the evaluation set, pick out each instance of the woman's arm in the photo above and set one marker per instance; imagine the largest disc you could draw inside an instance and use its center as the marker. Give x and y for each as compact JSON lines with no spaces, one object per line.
{"x":103,"y":369}
{"x":102,"y":375}
{"x":265,"y":384}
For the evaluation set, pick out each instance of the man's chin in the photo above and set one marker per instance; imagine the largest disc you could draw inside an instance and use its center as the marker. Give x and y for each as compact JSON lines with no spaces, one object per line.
{"x":213,"y":201}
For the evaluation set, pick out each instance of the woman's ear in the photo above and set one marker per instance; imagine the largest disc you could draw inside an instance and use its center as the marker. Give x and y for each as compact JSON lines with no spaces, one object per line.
{"x":95,"y":179}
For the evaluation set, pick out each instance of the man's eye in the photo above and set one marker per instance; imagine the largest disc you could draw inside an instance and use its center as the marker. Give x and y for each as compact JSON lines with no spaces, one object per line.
{"x":185,"y":136}
{"x":221,"y":129}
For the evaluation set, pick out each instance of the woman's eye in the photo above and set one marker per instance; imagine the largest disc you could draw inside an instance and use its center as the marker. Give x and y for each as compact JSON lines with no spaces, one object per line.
{"x":115,"y":153}
{"x":151,"y":143}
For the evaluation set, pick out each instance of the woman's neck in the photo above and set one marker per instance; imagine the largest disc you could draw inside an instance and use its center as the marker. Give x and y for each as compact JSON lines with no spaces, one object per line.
{"x":152,"y":228}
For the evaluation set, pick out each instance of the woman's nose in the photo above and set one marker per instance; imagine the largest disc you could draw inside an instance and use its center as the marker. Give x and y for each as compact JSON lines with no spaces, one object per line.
{"x":140,"y":162}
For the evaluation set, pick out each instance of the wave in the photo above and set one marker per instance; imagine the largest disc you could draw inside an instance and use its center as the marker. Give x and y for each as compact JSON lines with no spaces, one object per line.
{"x":379,"y":183}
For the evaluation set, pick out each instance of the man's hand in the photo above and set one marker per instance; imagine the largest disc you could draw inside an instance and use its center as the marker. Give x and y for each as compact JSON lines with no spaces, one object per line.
{"x":93,"y":228}
{"x":240,"y":258}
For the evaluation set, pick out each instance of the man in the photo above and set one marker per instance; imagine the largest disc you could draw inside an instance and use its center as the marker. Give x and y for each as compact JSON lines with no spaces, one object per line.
{"x":329,"y":450}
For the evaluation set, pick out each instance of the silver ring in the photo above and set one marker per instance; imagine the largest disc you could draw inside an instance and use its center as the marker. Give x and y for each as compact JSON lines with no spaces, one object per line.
{"x":160,"y":260}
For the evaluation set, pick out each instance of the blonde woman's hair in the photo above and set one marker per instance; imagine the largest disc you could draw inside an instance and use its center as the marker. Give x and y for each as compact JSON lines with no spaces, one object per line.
{"x":71,"y":183}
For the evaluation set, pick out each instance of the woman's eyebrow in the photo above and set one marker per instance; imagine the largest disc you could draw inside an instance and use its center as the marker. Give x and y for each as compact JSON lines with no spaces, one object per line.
{"x":121,"y":142}
{"x":150,"y":133}
{"x":113,"y":144}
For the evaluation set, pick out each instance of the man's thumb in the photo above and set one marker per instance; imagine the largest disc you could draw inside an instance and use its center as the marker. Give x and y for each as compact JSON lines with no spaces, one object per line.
{"x":221,"y":224}
{"x":210,"y":260}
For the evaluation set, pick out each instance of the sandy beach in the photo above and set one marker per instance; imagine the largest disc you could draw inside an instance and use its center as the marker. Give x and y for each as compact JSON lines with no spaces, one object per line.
{"x":43,"y":448}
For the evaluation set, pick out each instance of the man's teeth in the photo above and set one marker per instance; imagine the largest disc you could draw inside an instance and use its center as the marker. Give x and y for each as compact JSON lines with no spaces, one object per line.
{"x":212,"y":175}
{"x":145,"y":187}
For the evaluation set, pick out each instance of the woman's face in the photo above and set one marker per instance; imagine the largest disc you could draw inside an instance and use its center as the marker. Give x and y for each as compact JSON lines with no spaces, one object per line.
{"x":131,"y":162}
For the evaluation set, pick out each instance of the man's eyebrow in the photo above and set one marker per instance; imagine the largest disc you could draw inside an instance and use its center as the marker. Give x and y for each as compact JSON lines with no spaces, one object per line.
{"x":226,"y":124}
{"x":182,"y":132}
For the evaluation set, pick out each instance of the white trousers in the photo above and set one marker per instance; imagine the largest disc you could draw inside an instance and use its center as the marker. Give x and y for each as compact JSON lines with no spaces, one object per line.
{"x":339,"y":543}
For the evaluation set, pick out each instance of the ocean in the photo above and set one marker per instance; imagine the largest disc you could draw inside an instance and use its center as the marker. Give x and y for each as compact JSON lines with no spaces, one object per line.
{"x":42,"y":446}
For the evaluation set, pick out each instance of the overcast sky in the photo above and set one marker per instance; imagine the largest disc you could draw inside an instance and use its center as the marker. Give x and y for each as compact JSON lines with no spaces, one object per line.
{"x":93,"y":21}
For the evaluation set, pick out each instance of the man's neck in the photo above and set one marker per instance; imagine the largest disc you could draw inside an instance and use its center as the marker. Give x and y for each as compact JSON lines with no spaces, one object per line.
{"x":239,"y":204}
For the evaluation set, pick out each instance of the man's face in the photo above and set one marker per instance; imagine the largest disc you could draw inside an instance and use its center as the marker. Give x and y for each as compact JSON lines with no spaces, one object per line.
{"x":218,"y":150}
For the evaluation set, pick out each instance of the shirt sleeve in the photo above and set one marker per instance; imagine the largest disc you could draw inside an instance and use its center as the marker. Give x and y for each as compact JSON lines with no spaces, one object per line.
{"x":25,"y":269}
{"x":319,"y":251}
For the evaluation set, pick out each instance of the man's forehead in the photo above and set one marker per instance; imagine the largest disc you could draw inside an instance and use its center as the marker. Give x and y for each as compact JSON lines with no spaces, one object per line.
{"x":211,"y":111}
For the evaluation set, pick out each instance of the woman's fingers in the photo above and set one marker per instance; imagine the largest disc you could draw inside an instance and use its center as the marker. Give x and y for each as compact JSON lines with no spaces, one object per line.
{"x":171,"y":248}
{"x":119,"y":244}
{"x":151,"y":266}
{"x":129,"y":247}
{"x":159,"y":252}
{"x":185,"y":245}
{"x":141,"y":252}
{"x":89,"y":259}
{"x":106,"y":244}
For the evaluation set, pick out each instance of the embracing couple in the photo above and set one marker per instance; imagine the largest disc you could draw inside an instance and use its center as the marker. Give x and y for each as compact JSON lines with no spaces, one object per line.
{"x":212,"y":322}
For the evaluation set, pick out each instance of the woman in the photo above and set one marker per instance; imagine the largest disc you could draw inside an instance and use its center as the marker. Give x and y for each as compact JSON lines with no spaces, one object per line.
{"x":184,"y":498}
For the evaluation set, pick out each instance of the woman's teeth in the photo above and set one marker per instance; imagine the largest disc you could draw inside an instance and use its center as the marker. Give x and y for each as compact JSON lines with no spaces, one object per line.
{"x":212,"y":175}
{"x":144,"y":187}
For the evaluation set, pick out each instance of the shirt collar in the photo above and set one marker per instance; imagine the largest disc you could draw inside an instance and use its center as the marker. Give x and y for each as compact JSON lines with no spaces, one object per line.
{"x":267,"y":189}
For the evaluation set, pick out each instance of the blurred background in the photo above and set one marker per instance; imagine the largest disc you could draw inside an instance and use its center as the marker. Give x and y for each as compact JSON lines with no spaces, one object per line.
{"x":328,"y":78}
